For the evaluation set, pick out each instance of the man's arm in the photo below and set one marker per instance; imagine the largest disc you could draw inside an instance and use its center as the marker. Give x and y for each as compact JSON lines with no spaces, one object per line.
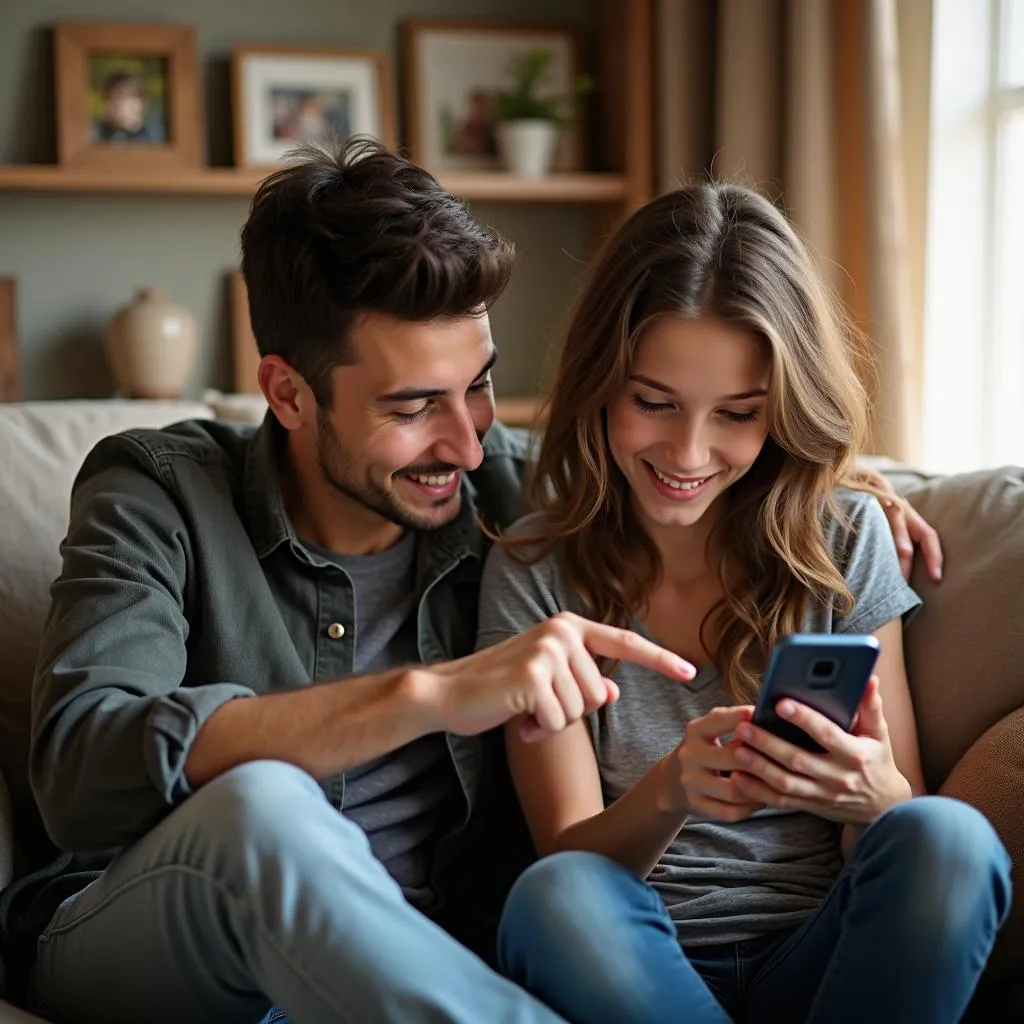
{"x":118,"y":740}
{"x":322,"y":729}
{"x":111,"y":722}
{"x":908,"y":526}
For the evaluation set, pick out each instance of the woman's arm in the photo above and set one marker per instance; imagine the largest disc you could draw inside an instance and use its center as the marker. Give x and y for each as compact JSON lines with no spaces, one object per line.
{"x":558,"y":779}
{"x":894,"y":690}
{"x":861,"y":774}
{"x":559,"y":787}
{"x":899,"y":710}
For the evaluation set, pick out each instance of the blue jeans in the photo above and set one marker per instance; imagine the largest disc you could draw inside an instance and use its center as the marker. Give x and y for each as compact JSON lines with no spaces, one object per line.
{"x":902,"y":937}
{"x":254,"y":893}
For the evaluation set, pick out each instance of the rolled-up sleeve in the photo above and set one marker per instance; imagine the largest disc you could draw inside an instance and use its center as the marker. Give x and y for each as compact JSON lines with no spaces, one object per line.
{"x":113,"y":713}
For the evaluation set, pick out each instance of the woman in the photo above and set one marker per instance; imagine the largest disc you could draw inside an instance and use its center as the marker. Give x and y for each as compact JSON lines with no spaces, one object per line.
{"x":705,"y":414}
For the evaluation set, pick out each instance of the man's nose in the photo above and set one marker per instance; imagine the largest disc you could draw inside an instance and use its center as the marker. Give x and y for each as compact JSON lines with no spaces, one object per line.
{"x":460,"y":443}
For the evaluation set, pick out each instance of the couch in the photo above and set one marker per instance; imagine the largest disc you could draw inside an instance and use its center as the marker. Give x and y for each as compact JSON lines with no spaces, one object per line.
{"x":965,"y":650}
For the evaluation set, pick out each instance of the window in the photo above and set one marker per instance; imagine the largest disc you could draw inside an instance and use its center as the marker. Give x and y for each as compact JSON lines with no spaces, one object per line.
{"x":973,"y":400}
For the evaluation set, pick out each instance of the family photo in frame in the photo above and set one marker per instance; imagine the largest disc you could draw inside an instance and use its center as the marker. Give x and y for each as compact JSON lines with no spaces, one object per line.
{"x":287,"y":95}
{"x":127,"y":96}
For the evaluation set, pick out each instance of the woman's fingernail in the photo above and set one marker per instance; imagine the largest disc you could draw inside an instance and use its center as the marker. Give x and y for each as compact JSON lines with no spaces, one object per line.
{"x":785,"y":709}
{"x":743,"y":754}
{"x":744,"y":731}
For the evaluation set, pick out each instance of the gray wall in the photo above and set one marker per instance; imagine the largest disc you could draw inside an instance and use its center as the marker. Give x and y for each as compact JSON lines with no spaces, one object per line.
{"x":78,"y":258}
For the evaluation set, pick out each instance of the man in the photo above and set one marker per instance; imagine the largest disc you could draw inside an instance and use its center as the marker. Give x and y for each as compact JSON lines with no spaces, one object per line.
{"x":256,"y":681}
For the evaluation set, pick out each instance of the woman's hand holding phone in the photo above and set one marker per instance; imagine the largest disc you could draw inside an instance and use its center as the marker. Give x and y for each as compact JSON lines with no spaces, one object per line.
{"x":695,"y":776}
{"x":853,"y":782}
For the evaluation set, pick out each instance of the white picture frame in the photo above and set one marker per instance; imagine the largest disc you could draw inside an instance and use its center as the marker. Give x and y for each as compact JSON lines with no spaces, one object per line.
{"x":451,"y":67}
{"x":285,"y":96}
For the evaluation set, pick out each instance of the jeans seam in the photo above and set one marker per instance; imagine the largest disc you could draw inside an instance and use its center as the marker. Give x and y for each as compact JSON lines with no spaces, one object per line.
{"x":790,"y":944}
{"x":195,"y":873}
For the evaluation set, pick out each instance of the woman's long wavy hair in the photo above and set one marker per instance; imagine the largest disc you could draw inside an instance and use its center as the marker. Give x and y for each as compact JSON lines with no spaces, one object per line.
{"x":723,"y":251}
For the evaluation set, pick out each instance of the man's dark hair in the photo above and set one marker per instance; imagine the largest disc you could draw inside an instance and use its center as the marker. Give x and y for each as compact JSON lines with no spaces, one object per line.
{"x":353,"y":229}
{"x":122,"y":80}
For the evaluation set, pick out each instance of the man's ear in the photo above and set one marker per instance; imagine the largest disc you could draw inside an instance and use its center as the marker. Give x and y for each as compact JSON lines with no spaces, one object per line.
{"x":287,"y":393}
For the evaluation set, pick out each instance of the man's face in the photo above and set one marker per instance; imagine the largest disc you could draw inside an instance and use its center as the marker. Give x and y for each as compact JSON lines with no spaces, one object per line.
{"x":407,"y":417}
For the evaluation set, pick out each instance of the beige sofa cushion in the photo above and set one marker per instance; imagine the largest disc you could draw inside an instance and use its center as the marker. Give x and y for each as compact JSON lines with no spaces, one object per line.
{"x":42,"y":447}
{"x":965,"y":648}
{"x":990,"y":776}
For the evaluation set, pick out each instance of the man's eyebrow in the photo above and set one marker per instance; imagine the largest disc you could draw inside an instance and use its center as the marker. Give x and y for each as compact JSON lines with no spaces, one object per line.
{"x":413,"y":394}
{"x":658,"y":386}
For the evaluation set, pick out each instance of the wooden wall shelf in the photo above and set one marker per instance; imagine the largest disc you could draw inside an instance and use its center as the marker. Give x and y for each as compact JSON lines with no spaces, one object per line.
{"x":516,"y":412}
{"x":229,"y":181}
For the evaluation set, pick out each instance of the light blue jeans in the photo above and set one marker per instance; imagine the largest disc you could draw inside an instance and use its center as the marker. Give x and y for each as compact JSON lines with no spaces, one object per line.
{"x":902,"y":938}
{"x":254,"y":893}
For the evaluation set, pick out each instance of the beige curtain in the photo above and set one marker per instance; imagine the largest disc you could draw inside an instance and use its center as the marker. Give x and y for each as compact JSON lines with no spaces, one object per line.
{"x":801,"y":98}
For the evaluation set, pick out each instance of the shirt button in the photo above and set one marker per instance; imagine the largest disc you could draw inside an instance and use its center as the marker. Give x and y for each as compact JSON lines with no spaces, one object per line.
{"x":335,"y":630}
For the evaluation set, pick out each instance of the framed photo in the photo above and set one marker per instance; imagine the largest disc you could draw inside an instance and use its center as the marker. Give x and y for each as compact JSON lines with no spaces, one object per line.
{"x":127,"y":96}
{"x":287,"y":95}
{"x":9,"y":388}
{"x":245,"y":356}
{"x":452,"y":70}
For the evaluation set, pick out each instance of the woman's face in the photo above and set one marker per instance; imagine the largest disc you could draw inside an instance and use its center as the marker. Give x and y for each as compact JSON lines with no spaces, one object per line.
{"x":691,"y":418}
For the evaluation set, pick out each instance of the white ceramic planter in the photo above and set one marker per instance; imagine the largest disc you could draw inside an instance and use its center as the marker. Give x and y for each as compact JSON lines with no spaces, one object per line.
{"x":151,"y":346}
{"x":528,"y":147}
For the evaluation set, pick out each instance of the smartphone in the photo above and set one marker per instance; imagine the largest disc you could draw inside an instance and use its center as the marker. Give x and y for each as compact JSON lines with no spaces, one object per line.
{"x":826,"y":671}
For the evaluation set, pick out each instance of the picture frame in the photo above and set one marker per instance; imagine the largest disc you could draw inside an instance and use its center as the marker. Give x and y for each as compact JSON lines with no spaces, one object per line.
{"x":245,"y":356}
{"x":451,"y":68}
{"x":127,"y":96}
{"x":10,"y":388}
{"x":283,"y":96}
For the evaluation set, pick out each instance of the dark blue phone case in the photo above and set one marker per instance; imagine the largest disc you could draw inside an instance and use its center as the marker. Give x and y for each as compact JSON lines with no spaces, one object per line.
{"x":826,"y":671}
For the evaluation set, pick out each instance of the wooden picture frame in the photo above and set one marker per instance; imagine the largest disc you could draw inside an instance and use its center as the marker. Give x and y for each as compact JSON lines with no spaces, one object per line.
{"x":283,"y":96}
{"x":245,"y":356}
{"x":449,"y":68}
{"x":127,"y":96}
{"x":10,"y":388}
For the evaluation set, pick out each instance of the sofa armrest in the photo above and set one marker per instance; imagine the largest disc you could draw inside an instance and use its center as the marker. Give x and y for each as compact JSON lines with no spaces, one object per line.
{"x":990,"y":777}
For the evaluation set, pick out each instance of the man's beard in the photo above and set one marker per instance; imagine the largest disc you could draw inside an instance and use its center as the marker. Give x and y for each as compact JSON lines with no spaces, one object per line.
{"x":336,"y":466}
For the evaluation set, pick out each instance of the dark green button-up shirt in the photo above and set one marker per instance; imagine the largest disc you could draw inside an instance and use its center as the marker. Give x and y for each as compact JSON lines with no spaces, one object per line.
{"x":184,"y":586}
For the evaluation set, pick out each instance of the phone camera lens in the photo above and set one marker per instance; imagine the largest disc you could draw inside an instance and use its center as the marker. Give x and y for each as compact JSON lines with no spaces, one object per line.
{"x":824,"y":670}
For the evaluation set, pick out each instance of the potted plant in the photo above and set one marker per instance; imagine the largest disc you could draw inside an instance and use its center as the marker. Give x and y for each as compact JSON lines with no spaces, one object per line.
{"x":529,"y":118}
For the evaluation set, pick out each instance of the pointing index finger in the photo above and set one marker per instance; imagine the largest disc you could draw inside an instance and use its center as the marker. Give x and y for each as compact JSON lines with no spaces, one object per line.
{"x":625,"y":645}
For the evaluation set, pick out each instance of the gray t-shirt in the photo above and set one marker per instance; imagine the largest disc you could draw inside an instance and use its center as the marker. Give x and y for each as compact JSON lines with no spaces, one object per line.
{"x":720,"y":883}
{"x":404,"y":800}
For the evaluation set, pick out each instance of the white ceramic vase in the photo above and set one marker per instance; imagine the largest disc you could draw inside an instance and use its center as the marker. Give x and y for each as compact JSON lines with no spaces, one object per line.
{"x":151,"y":346}
{"x":527,"y":147}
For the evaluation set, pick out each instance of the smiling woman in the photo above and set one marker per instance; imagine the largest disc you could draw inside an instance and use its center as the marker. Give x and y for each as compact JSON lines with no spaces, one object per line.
{"x":683,"y":437}
{"x":695,"y":859}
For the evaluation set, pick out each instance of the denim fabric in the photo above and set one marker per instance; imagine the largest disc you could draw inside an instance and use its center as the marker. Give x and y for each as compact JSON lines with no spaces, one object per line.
{"x":184,"y":586}
{"x":256,"y":893}
{"x":903,"y":936}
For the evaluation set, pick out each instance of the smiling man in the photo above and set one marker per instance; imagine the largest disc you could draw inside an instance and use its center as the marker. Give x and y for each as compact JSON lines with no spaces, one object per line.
{"x":256,"y":686}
